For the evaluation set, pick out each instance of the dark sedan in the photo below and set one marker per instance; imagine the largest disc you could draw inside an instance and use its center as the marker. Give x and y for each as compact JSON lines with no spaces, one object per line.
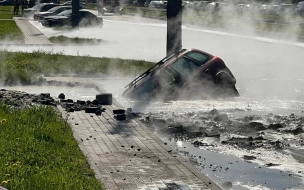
{"x":187,"y":74}
{"x":41,"y":7}
{"x":86,"y":18}
{"x":6,"y":2}
{"x":52,"y":11}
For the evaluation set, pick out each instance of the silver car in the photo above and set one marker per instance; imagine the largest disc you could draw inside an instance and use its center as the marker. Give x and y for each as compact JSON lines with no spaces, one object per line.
{"x":300,"y":8}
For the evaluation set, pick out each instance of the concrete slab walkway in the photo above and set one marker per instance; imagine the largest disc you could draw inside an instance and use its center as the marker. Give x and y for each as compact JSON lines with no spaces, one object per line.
{"x":32,"y":36}
{"x":126,"y":154}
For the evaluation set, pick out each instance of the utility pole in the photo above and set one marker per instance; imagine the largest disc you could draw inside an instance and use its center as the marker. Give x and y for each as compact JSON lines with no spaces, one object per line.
{"x":174,"y":26}
{"x":75,"y":13}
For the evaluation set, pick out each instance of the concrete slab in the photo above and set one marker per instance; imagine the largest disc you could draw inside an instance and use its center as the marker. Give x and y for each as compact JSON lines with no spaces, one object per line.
{"x":32,"y":36}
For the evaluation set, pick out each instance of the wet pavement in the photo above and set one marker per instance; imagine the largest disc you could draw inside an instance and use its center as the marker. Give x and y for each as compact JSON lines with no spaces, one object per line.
{"x":127,"y":155}
{"x":237,"y":148}
{"x":124,"y":154}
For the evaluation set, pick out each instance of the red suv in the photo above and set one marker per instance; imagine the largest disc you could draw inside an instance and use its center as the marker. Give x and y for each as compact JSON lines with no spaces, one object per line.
{"x":187,"y":74}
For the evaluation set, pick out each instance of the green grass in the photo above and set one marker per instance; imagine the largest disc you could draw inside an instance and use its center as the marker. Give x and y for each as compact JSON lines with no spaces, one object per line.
{"x":6,"y":12}
{"x":92,"y":6}
{"x":22,"y":67}
{"x":9,"y":31}
{"x":65,"y":40}
{"x":38,"y":151}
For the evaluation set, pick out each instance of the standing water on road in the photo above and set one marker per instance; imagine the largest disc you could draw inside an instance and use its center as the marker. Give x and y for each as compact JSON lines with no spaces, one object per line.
{"x":257,"y":136}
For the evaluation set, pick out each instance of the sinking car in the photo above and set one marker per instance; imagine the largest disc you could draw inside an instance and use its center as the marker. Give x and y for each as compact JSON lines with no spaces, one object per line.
{"x":187,"y":74}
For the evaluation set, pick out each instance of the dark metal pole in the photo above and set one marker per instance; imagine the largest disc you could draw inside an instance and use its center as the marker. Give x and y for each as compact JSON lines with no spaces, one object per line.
{"x":75,"y":13}
{"x":174,"y":26}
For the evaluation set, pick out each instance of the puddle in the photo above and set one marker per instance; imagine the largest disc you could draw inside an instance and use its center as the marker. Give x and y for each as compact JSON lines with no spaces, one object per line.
{"x":242,"y":174}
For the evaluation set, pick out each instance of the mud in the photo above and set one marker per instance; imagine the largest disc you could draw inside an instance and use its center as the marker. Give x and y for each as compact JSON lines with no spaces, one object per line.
{"x":273,"y":142}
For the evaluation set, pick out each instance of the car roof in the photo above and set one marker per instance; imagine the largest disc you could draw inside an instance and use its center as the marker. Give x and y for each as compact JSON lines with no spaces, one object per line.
{"x":166,"y":61}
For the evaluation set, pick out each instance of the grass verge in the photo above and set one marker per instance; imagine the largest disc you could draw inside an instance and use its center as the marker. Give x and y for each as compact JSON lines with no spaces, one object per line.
{"x":66,"y":40}
{"x":38,"y":151}
{"x":22,"y":67}
{"x":6,"y":12}
{"x":9,"y":31}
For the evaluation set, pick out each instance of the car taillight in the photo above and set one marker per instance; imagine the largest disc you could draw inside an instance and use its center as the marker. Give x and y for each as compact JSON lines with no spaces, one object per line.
{"x":217,"y":58}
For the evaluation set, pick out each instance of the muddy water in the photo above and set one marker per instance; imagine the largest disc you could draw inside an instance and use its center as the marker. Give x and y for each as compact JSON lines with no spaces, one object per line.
{"x":242,"y":174}
{"x":271,"y":168}
{"x":225,"y":164}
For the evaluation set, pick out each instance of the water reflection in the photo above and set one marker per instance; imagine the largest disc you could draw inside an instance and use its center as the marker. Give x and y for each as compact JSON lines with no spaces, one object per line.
{"x":223,"y":168}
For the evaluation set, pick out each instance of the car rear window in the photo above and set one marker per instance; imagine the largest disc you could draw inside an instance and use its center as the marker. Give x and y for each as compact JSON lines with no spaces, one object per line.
{"x":46,"y":8}
{"x":199,"y":57}
{"x":66,"y":13}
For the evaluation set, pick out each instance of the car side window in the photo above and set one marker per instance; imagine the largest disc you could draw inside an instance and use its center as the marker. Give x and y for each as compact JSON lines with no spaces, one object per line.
{"x":145,"y":88}
{"x":199,"y":57}
{"x":46,"y":7}
{"x":184,"y":67}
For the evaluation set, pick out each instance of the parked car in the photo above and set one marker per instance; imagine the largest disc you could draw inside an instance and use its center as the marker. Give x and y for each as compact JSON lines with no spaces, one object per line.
{"x":7,"y":2}
{"x":286,"y":9}
{"x":186,"y":4}
{"x":42,"y":7}
{"x":242,"y":8}
{"x":50,"y":12}
{"x":69,"y":3}
{"x":186,"y":74}
{"x":200,"y":5}
{"x":300,"y":8}
{"x":269,"y":9}
{"x":218,"y":7}
{"x":158,"y":4}
{"x":109,"y":6}
{"x":86,"y":18}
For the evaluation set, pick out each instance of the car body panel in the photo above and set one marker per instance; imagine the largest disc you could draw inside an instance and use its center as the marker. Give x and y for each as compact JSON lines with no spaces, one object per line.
{"x":286,"y":9}
{"x":53,"y":11}
{"x":300,"y":8}
{"x":64,"y":18}
{"x":186,"y":71}
{"x":42,"y":7}
{"x":69,"y":3}
{"x":6,"y":2}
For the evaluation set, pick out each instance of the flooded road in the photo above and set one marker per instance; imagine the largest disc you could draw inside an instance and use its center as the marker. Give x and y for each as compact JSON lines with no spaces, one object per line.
{"x":270,"y":80}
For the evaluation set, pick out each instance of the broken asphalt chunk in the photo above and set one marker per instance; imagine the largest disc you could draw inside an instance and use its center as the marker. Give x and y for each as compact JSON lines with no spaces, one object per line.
{"x":221,"y":117}
{"x":104,"y":98}
{"x":119,"y":111}
{"x":256,"y":126}
{"x":91,"y":109}
{"x":212,"y":134}
{"x":248,"y":157}
{"x":61,"y":96}
{"x":120,"y":117}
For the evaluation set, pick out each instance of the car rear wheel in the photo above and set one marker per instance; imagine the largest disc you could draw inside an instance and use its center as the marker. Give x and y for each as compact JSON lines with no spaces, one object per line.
{"x":226,"y":83}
